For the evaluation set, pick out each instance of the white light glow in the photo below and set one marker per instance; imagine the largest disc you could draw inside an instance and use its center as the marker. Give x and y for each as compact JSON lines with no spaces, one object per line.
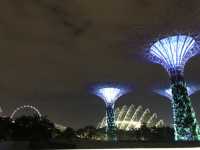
{"x":133,"y":124}
{"x":109,"y":94}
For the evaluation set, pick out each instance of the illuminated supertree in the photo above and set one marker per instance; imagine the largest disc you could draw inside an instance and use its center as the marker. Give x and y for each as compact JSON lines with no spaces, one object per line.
{"x":109,"y":94}
{"x":168,"y":94}
{"x":173,"y":53}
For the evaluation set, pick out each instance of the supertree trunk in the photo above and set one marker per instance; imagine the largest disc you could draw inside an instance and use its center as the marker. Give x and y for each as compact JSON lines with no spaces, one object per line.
{"x":111,"y":126}
{"x":185,"y":124}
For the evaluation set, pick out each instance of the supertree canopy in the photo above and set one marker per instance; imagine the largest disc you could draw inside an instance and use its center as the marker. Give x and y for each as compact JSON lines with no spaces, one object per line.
{"x":109,"y":94}
{"x":173,"y":53}
{"x":168,"y":91}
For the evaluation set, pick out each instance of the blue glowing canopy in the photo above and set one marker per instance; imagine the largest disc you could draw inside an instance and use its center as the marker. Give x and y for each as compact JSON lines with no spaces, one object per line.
{"x":191,"y":89}
{"x":173,"y":52}
{"x":110,"y":93}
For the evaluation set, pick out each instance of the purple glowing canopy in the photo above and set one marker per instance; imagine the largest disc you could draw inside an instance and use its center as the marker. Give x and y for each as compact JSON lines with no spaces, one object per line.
{"x":173,"y":52}
{"x":168,"y":92}
{"x":110,"y":92}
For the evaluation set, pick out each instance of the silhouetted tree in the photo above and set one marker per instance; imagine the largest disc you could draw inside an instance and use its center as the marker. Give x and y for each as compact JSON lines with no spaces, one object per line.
{"x":162,"y":134}
{"x":5,"y":128}
{"x":88,"y":132}
{"x":32,"y":128}
{"x":68,"y":134}
{"x":145,"y":132}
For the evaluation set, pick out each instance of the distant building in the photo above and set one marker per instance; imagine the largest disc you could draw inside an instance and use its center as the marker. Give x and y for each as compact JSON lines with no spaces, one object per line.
{"x":127,"y":118}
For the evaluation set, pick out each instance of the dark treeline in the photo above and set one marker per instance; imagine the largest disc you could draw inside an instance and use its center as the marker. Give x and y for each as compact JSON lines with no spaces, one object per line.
{"x":26,"y":128}
{"x":141,"y":134}
{"x":36,"y":129}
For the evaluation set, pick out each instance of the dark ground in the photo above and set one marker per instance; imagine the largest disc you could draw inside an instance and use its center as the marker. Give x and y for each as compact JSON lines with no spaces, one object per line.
{"x":95,"y":144}
{"x":131,"y":144}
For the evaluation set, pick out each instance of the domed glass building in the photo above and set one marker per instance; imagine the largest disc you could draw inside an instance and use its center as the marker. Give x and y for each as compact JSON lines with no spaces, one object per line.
{"x":132,"y":117}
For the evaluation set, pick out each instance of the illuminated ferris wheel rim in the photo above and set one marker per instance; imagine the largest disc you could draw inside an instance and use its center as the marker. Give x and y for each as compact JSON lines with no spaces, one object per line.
{"x":24,"y":107}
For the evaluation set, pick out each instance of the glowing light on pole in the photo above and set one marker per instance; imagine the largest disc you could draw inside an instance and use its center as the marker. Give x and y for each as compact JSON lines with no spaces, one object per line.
{"x":109,"y":94}
{"x":173,"y":53}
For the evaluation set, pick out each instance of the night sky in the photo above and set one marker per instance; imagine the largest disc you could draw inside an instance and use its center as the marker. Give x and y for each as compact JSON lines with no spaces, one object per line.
{"x":52,"y":50}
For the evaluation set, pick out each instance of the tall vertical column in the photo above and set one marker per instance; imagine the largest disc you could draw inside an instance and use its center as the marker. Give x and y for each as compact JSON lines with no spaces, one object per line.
{"x":185,"y":123}
{"x":111,"y":126}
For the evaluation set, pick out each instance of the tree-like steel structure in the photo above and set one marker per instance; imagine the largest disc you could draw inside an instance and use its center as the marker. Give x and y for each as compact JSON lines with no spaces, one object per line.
{"x":172,"y":53}
{"x":168,"y":94}
{"x":109,"y":94}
